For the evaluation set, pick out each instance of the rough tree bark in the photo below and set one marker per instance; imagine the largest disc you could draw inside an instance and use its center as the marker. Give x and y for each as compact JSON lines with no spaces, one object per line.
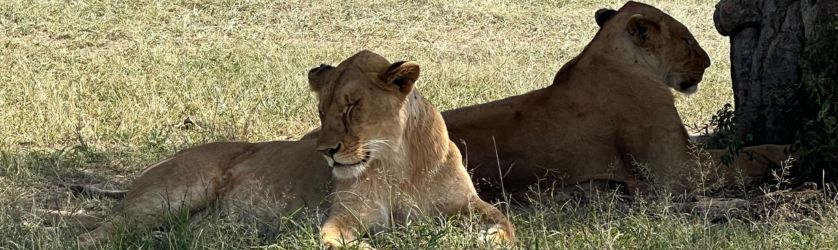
{"x":767,"y":38}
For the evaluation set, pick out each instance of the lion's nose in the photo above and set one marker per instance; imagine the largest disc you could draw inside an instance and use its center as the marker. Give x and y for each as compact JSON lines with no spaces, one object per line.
{"x":329,"y":151}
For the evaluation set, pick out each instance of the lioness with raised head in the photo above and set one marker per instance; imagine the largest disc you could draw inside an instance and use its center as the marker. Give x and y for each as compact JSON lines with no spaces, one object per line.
{"x":609,"y":115}
{"x":389,"y":152}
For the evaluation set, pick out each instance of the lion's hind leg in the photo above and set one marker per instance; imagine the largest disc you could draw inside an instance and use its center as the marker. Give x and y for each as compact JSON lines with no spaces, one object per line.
{"x":85,"y":220}
{"x":184,"y":184}
{"x":147,"y":209}
{"x":750,"y":162}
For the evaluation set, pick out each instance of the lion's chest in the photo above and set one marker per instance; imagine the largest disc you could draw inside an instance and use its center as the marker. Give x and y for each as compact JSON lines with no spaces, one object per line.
{"x":406,"y":206}
{"x":394,"y":206}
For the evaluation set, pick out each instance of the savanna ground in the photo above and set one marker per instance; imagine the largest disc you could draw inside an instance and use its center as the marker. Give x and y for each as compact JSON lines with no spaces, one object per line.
{"x":93,"y":91}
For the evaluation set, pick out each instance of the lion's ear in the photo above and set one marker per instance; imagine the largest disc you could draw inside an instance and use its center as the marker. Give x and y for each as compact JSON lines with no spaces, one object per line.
{"x":602,"y":15}
{"x":317,"y":77}
{"x":641,"y":29}
{"x":401,"y":75}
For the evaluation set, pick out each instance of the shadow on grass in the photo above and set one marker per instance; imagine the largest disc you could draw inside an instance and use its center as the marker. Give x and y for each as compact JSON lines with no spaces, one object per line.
{"x":598,"y":222}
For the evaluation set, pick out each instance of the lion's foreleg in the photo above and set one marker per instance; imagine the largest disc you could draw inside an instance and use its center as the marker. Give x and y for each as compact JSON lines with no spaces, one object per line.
{"x":147,"y":207}
{"x":340,"y":230}
{"x":351,"y":215}
{"x":335,"y":233}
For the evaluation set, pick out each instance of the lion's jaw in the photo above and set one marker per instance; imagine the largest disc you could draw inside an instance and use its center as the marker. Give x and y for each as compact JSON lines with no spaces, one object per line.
{"x":349,"y":172}
{"x":665,"y":73}
{"x":379,"y":154}
{"x":682,"y":82}
{"x":346,"y":171}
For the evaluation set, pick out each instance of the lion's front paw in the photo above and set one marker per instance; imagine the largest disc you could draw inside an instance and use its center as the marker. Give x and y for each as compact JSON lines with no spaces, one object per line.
{"x":498,"y":237}
{"x":334,"y":244}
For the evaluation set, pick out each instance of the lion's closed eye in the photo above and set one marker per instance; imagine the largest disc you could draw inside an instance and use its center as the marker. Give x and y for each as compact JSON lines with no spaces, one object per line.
{"x":347,"y":114}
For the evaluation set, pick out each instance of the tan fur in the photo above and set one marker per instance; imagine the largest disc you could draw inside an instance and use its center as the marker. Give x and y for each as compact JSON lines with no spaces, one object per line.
{"x":603,"y":113}
{"x":266,"y":180}
{"x":609,"y":115}
{"x":413,"y":171}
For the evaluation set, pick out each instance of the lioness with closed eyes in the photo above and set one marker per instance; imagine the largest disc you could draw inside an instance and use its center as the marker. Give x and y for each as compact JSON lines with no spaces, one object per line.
{"x":385,"y":145}
{"x":389,"y":151}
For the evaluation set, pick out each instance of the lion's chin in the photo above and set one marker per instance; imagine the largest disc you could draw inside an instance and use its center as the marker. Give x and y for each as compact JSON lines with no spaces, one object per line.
{"x":349,"y":172}
{"x":690,"y":90}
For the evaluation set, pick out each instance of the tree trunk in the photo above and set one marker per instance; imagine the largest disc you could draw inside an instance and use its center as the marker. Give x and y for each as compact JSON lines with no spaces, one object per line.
{"x":767,"y":38}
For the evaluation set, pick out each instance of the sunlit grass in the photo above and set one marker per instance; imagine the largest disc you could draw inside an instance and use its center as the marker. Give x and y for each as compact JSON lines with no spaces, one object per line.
{"x":93,"y":91}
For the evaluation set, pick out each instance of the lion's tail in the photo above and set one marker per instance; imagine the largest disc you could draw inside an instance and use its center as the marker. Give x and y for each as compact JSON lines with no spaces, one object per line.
{"x":89,"y":190}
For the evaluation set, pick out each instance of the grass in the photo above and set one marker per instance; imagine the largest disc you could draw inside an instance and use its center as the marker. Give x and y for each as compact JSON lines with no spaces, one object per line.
{"x":93,"y":91}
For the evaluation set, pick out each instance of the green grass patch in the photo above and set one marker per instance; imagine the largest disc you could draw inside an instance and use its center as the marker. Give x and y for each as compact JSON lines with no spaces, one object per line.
{"x":93,"y":91}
